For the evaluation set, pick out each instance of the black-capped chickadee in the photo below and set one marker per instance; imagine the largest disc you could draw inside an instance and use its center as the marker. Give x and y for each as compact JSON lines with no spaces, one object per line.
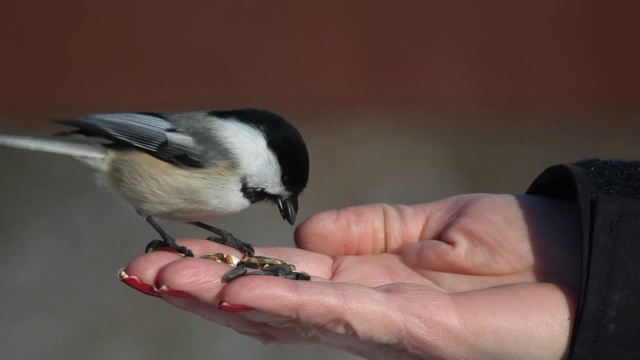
{"x":189,"y":166}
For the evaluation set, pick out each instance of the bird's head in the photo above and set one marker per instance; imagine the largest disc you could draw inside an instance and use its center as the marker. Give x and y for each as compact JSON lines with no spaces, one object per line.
{"x":272,"y":158}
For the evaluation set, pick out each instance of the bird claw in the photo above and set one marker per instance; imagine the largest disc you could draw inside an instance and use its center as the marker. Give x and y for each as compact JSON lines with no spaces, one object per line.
{"x":232,"y":241}
{"x":157,"y":244}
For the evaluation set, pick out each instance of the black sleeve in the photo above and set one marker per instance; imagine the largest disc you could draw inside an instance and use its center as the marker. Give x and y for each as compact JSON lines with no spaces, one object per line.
{"x":607,"y":323}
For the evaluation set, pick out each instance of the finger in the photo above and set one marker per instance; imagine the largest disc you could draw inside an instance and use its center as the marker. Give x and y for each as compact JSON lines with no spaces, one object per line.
{"x":342,"y":315}
{"x":142,"y":272}
{"x":312,"y":309}
{"x":368,"y":229}
{"x":194,"y":275}
{"x":410,"y":317}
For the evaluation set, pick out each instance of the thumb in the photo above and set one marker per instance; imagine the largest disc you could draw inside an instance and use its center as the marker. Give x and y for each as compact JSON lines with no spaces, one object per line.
{"x":368,"y":229}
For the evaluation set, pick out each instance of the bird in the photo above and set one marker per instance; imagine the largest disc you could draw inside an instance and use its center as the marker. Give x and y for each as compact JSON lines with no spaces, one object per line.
{"x":187,"y":166}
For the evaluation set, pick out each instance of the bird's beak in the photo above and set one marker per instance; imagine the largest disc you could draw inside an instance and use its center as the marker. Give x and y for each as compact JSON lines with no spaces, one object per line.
{"x":288,"y":209}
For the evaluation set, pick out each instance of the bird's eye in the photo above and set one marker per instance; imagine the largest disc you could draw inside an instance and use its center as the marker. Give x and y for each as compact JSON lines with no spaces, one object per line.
{"x":260,"y":194}
{"x":255,"y":194}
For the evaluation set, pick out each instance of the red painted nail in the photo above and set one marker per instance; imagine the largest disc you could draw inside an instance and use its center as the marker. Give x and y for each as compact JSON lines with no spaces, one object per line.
{"x":223,"y":305}
{"x":135,"y":283}
{"x":164,"y":290}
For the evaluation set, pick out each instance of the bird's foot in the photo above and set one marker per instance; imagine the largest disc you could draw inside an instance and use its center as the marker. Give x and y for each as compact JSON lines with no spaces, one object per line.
{"x":156,"y":244}
{"x":226,"y":238}
{"x":231,"y":241}
{"x":167,"y":241}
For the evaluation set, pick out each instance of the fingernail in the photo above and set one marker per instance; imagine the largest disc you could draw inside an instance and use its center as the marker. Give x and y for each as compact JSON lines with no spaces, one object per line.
{"x":135,"y":283}
{"x":223,"y":305}
{"x":164,"y":290}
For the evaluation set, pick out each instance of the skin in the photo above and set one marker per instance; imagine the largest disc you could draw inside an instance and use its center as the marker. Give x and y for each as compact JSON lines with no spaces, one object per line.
{"x":468,"y":277}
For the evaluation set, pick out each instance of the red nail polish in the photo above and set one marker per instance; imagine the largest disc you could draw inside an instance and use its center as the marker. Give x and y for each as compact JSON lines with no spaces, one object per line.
{"x":135,"y":283}
{"x":164,"y":290}
{"x":223,"y":305}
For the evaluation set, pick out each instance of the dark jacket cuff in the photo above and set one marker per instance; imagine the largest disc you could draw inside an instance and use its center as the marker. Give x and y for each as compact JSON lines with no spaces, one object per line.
{"x":607,"y":322}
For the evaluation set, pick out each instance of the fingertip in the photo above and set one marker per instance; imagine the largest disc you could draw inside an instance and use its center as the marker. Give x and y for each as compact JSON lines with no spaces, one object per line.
{"x":146,"y":267}
{"x":348,"y":231}
{"x":178,"y":273}
{"x":198,"y":277}
{"x":367,"y":229}
{"x":313,"y":228}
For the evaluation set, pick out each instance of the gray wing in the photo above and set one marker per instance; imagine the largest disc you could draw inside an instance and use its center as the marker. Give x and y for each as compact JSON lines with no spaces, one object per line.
{"x":149,"y":132}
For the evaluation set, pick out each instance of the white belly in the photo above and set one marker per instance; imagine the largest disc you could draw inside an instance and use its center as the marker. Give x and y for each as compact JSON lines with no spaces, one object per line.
{"x":155,"y":187}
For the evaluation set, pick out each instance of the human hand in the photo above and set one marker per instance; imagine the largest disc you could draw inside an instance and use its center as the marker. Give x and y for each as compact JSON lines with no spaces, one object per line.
{"x":472,"y":276}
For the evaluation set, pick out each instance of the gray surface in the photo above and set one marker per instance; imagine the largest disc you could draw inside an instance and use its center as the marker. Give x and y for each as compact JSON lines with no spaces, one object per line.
{"x":64,"y":238}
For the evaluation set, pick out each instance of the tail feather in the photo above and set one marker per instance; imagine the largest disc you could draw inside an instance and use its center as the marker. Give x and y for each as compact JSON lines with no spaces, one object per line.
{"x":83,"y":151}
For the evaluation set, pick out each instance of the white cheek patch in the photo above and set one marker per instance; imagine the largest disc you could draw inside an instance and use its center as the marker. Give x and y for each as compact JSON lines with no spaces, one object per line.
{"x":257,"y":162}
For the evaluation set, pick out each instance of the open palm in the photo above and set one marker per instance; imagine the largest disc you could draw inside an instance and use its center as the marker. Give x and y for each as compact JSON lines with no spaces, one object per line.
{"x":473,"y":276}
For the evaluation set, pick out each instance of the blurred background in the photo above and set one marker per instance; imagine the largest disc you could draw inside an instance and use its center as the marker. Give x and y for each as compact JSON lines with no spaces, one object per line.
{"x":400,"y":102}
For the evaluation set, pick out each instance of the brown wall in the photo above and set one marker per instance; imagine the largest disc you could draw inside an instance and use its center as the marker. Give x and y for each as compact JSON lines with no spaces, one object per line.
{"x":509,"y":57}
